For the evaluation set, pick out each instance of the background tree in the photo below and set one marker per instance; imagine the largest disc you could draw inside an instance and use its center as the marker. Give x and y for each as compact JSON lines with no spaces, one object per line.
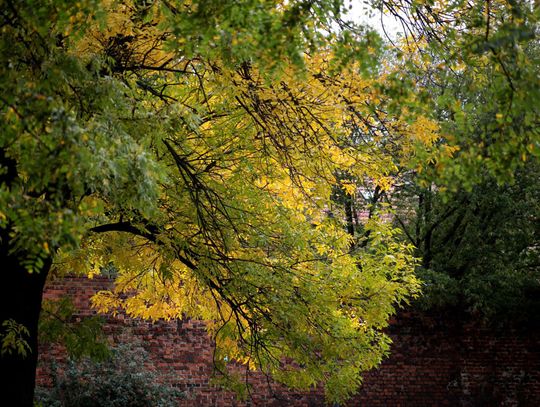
{"x":472,"y":213}
{"x":478,"y":248}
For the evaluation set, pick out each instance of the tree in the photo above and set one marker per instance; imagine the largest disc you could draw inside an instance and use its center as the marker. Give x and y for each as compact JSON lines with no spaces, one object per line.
{"x":472,"y":213}
{"x":480,"y":63}
{"x":194,"y":147}
{"x":478,"y":248}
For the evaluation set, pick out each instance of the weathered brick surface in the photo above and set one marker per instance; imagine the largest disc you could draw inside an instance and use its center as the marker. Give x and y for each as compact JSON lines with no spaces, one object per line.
{"x":434,"y":361}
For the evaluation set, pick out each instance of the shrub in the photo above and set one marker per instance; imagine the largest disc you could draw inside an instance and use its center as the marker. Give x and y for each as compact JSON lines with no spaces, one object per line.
{"x":119,"y":381}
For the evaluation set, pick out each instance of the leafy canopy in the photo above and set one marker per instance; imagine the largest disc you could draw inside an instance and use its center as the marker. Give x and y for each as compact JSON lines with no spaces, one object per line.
{"x":476,"y":67}
{"x":194,"y":146}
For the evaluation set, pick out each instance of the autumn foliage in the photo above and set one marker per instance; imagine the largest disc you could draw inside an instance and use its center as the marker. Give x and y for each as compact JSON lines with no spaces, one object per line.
{"x":198,"y":149}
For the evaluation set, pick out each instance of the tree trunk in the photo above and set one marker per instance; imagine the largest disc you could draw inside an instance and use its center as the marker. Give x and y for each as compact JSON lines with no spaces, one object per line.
{"x":20,"y":300}
{"x":349,"y":215}
{"x":428,"y":232}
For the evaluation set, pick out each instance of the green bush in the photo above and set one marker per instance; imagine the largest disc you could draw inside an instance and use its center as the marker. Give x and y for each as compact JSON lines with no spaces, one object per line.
{"x":119,"y":381}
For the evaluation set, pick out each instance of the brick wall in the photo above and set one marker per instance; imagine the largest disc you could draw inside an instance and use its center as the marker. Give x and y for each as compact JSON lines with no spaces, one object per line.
{"x":435,"y":361}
